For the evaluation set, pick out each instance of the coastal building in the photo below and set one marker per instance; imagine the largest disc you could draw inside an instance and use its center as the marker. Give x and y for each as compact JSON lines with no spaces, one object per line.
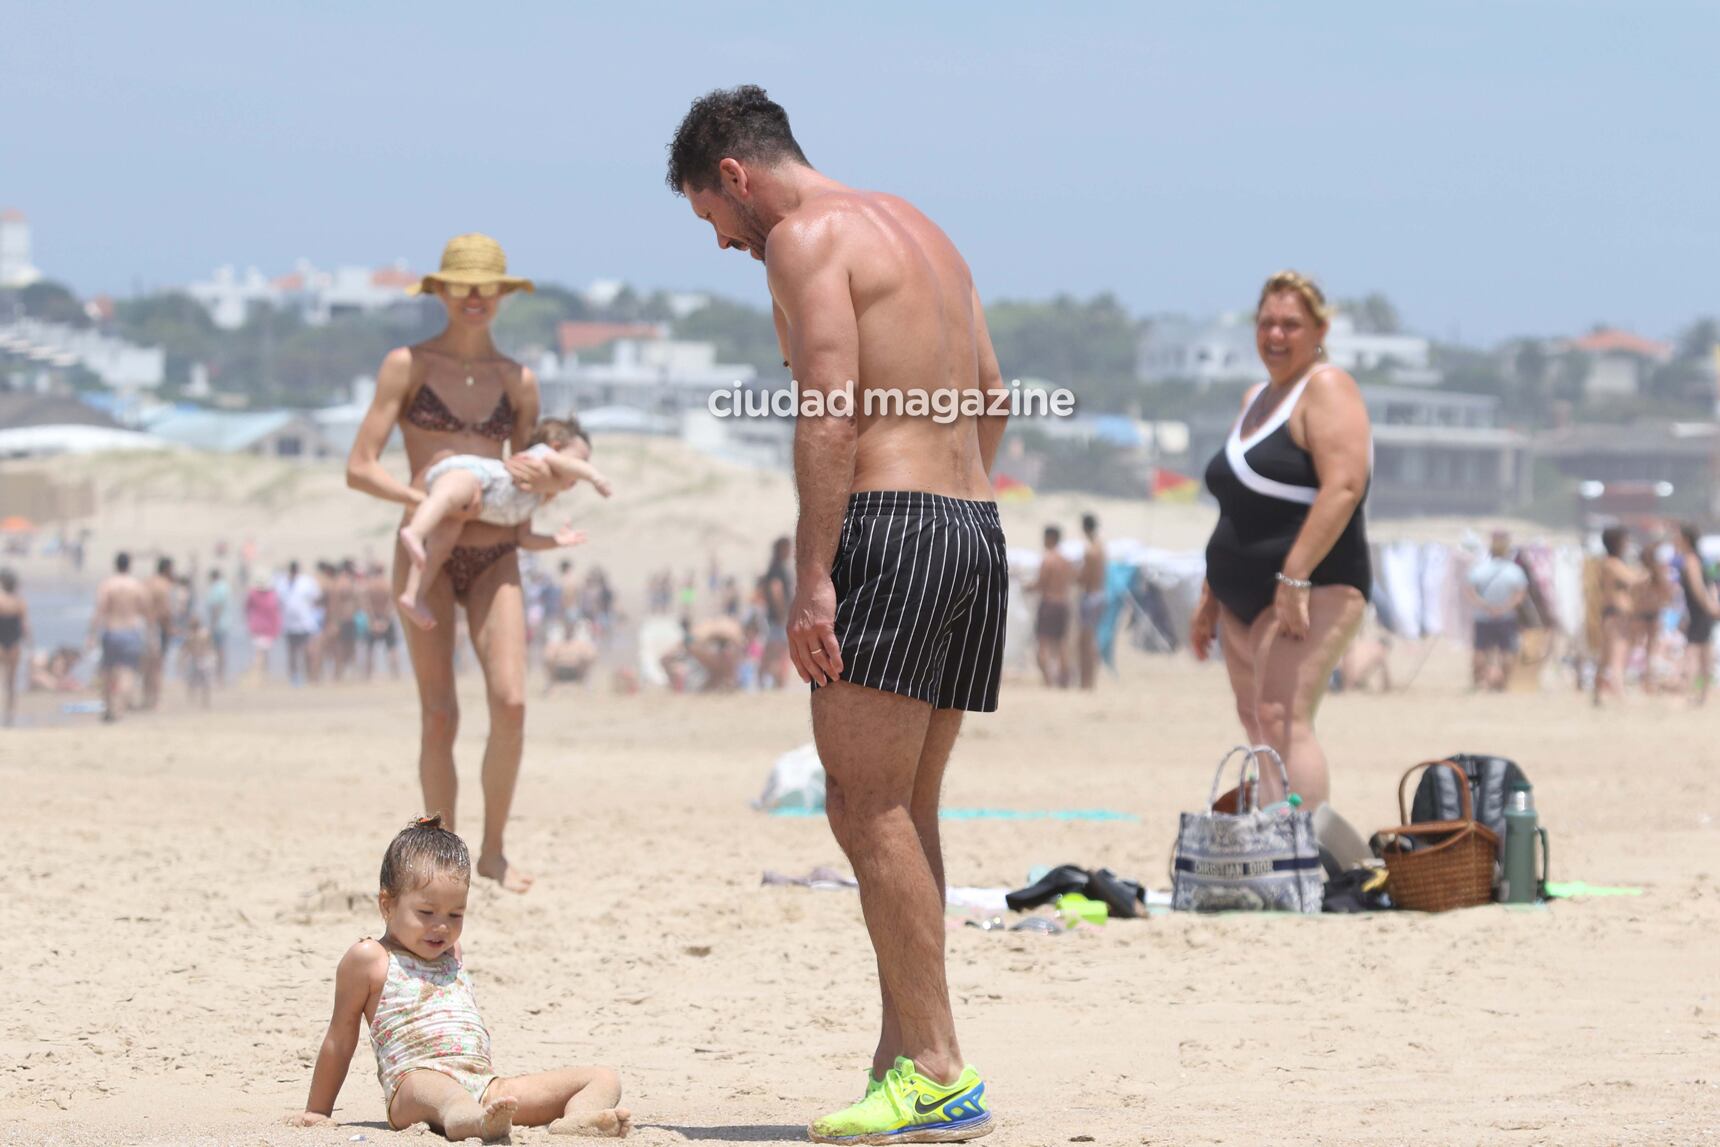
{"x":37,"y":351}
{"x":16,"y":269}
{"x":656,"y":375}
{"x":1618,"y":362}
{"x":319,"y":295}
{"x":266,"y":433}
{"x":1680,"y":458}
{"x":1437,"y":452}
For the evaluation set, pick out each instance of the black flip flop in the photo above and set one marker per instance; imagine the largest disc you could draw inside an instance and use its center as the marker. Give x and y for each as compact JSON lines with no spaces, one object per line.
{"x":1063,"y":879}
{"x":1122,"y":897}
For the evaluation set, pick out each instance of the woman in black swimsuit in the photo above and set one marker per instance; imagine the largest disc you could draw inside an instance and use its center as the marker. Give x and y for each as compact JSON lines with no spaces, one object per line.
{"x":14,"y":636}
{"x":457,"y":392}
{"x":1287,"y":568}
{"x":1701,"y":608}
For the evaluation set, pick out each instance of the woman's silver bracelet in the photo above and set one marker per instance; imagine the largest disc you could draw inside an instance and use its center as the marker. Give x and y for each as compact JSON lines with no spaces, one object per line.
{"x":1294,"y":583}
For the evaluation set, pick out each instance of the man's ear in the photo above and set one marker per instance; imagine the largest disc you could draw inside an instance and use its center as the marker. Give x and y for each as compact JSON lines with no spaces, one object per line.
{"x":734,"y":177}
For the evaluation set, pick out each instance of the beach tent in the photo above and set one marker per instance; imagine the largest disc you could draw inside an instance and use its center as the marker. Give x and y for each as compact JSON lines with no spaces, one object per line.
{"x":1151,"y":591}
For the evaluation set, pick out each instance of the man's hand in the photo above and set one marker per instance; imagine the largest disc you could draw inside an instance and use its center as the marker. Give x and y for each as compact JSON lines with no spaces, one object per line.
{"x":530,"y":473}
{"x":812,"y":644}
{"x":309,"y":1119}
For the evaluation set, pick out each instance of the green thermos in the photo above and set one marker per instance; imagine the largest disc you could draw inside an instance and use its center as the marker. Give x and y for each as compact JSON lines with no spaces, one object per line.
{"x":1522,"y":829}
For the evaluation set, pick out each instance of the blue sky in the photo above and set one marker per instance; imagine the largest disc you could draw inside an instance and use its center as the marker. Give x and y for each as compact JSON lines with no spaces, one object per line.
{"x":1505,"y":167}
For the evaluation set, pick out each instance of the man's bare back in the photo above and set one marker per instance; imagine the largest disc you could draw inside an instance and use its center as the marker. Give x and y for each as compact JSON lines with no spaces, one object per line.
{"x":1093,"y":567}
{"x":159,"y":590}
{"x":1056,"y":580}
{"x":123,"y":602}
{"x":919,"y":328}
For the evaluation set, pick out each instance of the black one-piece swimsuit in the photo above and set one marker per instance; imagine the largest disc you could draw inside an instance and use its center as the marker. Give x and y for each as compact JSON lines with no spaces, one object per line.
{"x":1265,"y":484}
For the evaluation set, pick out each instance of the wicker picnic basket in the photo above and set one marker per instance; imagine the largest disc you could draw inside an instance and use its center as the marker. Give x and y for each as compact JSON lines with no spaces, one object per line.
{"x":1436,"y":866}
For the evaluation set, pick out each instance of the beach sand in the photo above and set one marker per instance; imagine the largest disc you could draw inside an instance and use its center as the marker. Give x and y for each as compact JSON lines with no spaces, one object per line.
{"x":183,"y":884}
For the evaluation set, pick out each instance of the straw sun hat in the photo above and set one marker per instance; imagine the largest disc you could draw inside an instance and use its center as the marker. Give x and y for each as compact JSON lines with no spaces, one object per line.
{"x":472,"y":259}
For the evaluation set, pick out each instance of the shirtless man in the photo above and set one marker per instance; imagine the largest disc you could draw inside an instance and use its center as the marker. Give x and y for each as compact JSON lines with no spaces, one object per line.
{"x":377,"y":592}
{"x":125,"y":612}
{"x":160,"y":587}
{"x":340,"y":629}
{"x":1092,"y":601}
{"x":1055,"y":584}
{"x":901,"y":579}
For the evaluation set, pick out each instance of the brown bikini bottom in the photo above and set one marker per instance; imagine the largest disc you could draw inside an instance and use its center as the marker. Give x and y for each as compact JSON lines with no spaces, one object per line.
{"x":466,"y":564}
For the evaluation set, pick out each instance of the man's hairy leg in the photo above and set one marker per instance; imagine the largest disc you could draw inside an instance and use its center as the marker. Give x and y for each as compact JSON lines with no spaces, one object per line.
{"x":871,"y":744}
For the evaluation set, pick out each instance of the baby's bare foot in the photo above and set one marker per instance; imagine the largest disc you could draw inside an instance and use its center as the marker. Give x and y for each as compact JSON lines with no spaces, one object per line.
{"x":498,"y":1119}
{"x":415,"y":613}
{"x":414,"y":547}
{"x":507,"y":875}
{"x":612,"y":1124}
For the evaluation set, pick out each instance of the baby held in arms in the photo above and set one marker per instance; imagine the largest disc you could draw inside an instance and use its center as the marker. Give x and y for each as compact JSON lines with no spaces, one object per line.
{"x":460,"y":488}
{"x":432,"y":1048}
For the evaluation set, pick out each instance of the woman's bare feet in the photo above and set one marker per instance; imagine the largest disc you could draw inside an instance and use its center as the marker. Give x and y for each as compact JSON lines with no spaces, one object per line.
{"x":412,"y":610}
{"x":491,"y":1126}
{"x":612,"y":1124}
{"x":414,"y":546}
{"x":498,"y":869}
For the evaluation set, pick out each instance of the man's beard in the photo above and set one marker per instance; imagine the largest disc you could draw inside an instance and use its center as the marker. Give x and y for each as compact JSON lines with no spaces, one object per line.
{"x":752,"y":227}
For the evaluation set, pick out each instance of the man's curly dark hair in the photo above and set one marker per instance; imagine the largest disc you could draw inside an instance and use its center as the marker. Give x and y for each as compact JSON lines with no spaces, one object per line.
{"x":740,"y":123}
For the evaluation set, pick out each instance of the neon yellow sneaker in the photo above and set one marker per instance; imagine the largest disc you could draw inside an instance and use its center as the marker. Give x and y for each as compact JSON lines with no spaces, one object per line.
{"x":873,"y":1083}
{"x":906,"y":1107}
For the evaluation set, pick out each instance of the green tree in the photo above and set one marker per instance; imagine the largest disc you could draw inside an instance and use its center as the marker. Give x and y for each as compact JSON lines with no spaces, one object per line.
{"x":1089,"y":347}
{"x":1373,"y":314}
{"x":53,"y":303}
{"x":1688,"y":381}
{"x":174,"y":321}
{"x":529,"y":321}
{"x":741,"y":334}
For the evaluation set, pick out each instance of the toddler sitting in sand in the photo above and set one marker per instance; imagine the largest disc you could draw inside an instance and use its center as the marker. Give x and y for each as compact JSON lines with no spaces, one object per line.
{"x":432,"y":1049}
{"x":461,"y":487}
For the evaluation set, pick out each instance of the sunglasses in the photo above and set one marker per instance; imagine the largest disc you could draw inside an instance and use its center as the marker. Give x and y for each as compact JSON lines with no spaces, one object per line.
{"x":461,"y":290}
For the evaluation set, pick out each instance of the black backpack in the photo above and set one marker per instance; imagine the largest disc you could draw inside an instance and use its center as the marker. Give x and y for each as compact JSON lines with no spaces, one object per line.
{"x":1490,"y":780}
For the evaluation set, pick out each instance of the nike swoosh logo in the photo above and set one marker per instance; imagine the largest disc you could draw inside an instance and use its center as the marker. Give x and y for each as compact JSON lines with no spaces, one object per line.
{"x":921,"y":1107}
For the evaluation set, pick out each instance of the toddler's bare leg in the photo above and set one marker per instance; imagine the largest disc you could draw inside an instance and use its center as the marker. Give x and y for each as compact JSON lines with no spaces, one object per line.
{"x":420,"y":574}
{"x":433,"y":1098}
{"x":450,"y":494}
{"x":571,"y":1100}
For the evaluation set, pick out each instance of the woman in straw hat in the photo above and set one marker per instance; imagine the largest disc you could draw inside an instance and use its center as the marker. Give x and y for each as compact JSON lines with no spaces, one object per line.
{"x":457,"y":392}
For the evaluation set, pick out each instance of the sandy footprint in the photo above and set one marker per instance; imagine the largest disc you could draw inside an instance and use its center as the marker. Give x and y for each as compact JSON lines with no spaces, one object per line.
{"x":612,"y":1124}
